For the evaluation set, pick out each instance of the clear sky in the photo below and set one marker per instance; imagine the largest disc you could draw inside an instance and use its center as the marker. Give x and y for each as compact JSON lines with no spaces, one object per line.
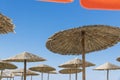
{"x":36,"y":21}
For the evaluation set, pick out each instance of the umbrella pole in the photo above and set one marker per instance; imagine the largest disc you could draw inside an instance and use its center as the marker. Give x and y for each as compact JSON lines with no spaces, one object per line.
{"x":25,"y":69}
{"x":76,"y":76}
{"x":22,"y":76}
{"x":42,"y":76}
{"x":1,"y":75}
{"x":31,"y":77}
{"x":83,"y":56}
{"x":69,"y":76}
{"x":48,"y":75}
{"x":107,"y":74}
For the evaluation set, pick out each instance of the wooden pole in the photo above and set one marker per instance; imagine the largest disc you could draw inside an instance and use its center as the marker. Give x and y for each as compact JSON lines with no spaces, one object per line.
{"x":107,"y":74}
{"x":83,"y":55}
{"x":42,"y":76}
{"x":31,"y":77}
{"x":25,"y":69}
{"x":48,"y":75}
{"x":22,"y":76}
{"x":1,"y":75}
{"x":70,"y":76}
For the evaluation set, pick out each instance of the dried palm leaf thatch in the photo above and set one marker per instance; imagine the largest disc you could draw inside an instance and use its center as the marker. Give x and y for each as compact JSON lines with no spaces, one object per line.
{"x":75,"y":63}
{"x":107,"y":66}
{"x":96,"y":37}
{"x":6,"y":24}
{"x":42,"y":68}
{"x":83,"y":40}
{"x":70,"y":71}
{"x":6,"y":65}
{"x":25,"y":57}
{"x":29,"y":57}
{"x":28,"y":72}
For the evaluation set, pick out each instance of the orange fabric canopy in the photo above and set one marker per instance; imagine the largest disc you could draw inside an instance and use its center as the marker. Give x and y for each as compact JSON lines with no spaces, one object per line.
{"x":101,"y":4}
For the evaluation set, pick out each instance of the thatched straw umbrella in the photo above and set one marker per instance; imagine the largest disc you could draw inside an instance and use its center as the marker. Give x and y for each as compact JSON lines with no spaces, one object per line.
{"x":21,"y":73}
{"x":70,"y":71}
{"x":43,"y":69}
{"x":107,"y":66}
{"x":6,"y":24}
{"x":50,"y":72}
{"x":25,"y":57}
{"x":83,"y":40}
{"x":75,"y":63}
{"x":118,"y":59}
{"x":6,"y":65}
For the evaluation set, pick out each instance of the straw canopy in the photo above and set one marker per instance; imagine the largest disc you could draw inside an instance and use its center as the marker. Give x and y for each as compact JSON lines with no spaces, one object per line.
{"x":118,"y":59}
{"x":83,"y":40}
{"x":29,"y":57}
{"x":25,"y":57}
{"x":6,"y":65}
{"x":69,"y":71}
{"x":107,"y":66}
{"x":52,"y":72}
{"x":97,"y":37}
{"x":28,"y":72}
{"x":6,"y":24}
{"x":42,"y":68}
{"x":75,"y":63}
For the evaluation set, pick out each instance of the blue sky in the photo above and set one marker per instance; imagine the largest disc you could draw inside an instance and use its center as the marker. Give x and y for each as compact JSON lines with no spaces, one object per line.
{"x":36,"y":21}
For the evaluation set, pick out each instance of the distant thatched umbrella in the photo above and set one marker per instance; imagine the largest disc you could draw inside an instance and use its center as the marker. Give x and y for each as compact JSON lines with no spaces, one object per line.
{"x":25,"y":57}
{"x":83,"y":40}
{"x":43,"y":69}
{"x":70,"y":71}
{"x":118,"y":59}
{"x":6,"y":24}
{"x":6,"y":65}
{"x":21,"y":73}
{"x":50,"y":72}
{"x":107,"y":66}
{"x":75,"y":63}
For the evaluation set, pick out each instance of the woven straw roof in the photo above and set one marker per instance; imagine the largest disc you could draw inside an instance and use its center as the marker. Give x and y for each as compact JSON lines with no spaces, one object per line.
{"x":42,"y":68}
{"x":29,"y":57}
{"x":107,"y":66}
{"x":118,"y":59}
{"x":51,"y":72}
{"x":6,"y":65}
{"x":96,"y":37}
{"x":75,"y":63}
{"x":70,"y":71}
{"x":28,"y":72}
{"x":6,"y":24}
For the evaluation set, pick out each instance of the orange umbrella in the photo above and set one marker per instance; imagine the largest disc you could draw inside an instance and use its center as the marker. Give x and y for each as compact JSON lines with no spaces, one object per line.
{"x":93,"y":4}
{"x":101,"y":4}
